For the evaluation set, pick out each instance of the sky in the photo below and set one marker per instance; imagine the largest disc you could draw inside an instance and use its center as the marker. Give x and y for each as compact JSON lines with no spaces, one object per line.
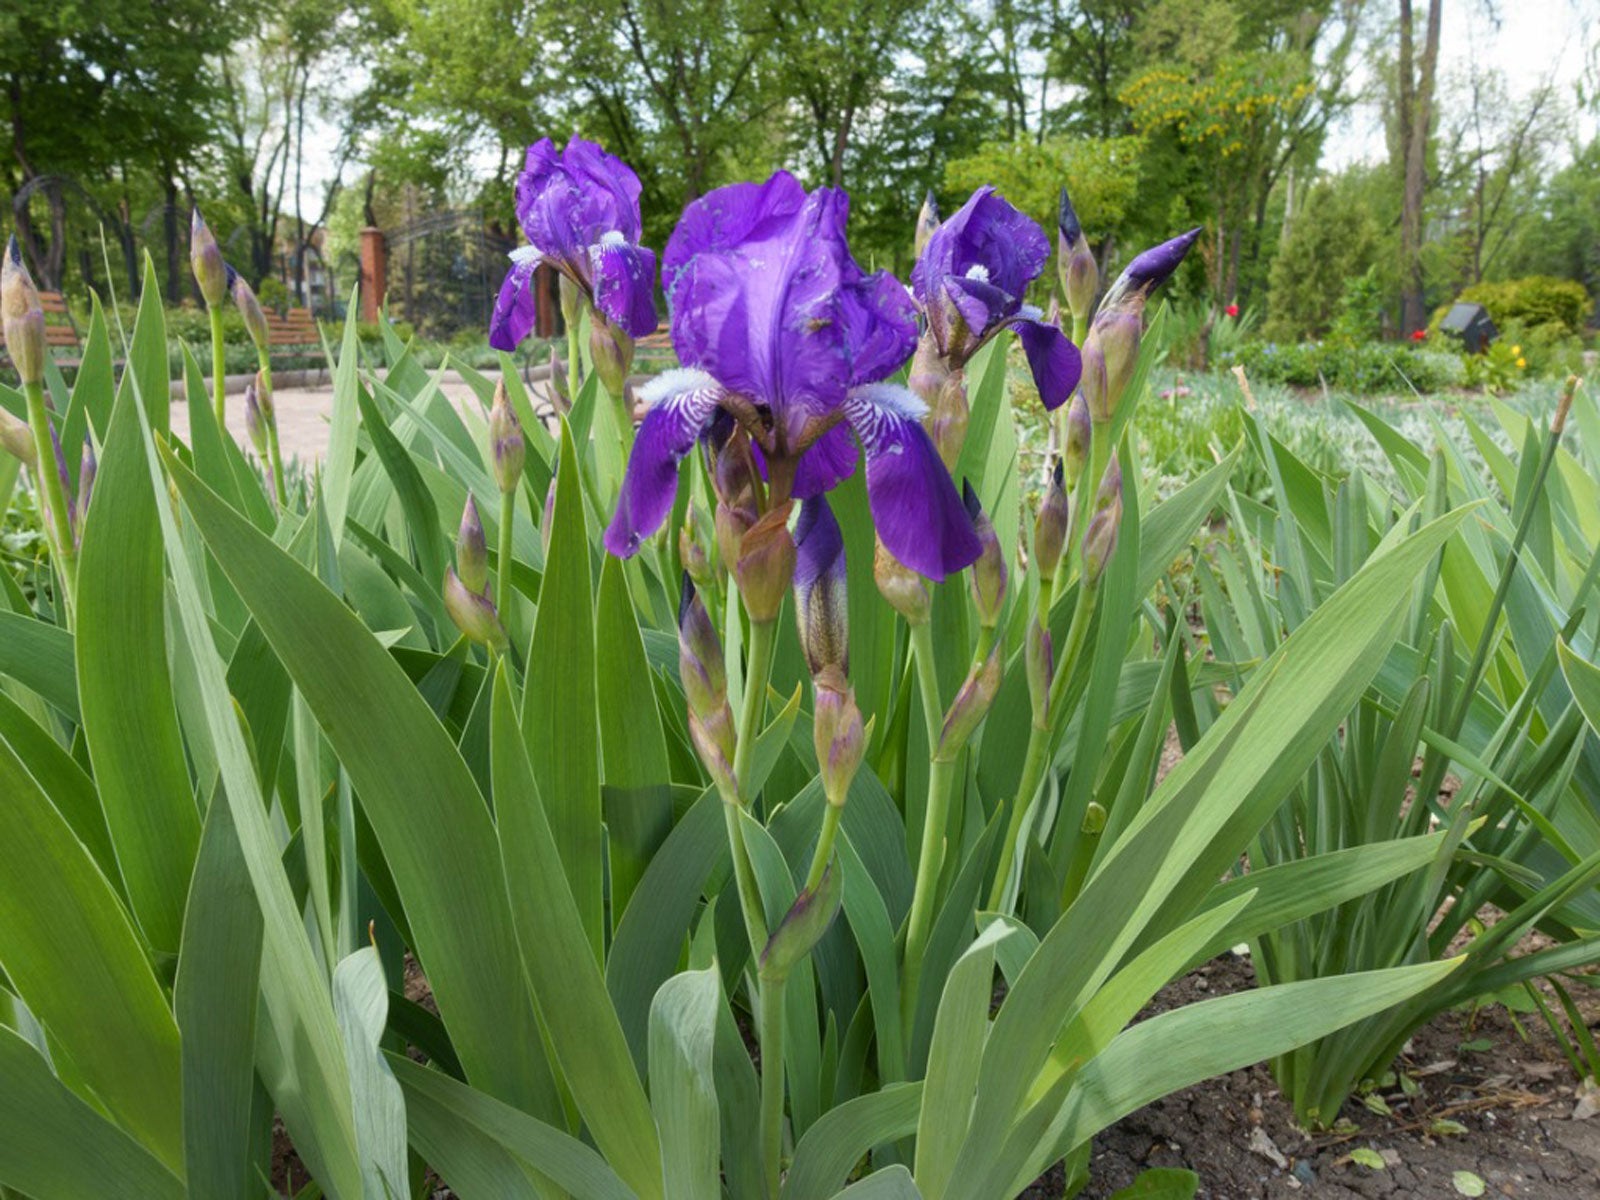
{"x":1532,"y":40}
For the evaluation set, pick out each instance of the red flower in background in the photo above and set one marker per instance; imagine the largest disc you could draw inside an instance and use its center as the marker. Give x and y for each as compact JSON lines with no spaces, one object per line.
{"x":1232,"y":310}
{"x":1419,"y":335}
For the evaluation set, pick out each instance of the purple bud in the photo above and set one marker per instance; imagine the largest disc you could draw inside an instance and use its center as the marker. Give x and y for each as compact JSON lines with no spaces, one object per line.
{"x":903,"y":588}
{"x":1080,"y":431}
{"x":87,"y":466}
{"x":473,"y":612}
{"x":22,"y":316}
{"x":548,"y":517}
{"x":255,"y":422}
{"x":506,"y":444}
{"x":970,"y":706}
{"x":244,"y":299}
{"x":1149,"y":271}
{"x":927,"y":222}
{"x":1100,"y":539}
{"x":1050,"y":529}
{"x":803,"y":925}
{"x":988,"y":581}
{"x":210,"y":272}
{"x":472,"y":550}
{"x":694,"y":545}
{"x":1040,"y":661}
{"x":821,"y":607}
{"x":700,"y":664}
{"x":838,"y":733}
{"x":765,"y":566}
{"x":714,"y":742}
{"x":1075,"y":264}
{"x":17,"y":439}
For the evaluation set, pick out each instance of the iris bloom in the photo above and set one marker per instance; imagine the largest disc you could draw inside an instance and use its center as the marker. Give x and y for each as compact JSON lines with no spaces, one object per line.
{"x":580,"y":210}
{"x":970,"y":281}
{"x":778,"y":326}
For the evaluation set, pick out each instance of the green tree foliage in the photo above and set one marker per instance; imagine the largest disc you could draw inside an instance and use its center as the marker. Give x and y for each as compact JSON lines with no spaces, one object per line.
{"x":1334,"y":237}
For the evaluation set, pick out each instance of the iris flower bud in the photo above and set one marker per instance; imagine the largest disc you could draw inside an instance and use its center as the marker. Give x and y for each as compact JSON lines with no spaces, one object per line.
{"x":705,"y":687}
{"x":1039,"y":659}
{"x":548,"y":518}
{"x":839,"y":734}
{"x":693,"y":546}
{"x":254,"y":422}
{"x":1114,"y":337}
{"x":611,"y":349}
{"x":821,"y":607}
{"x":1080,"y":430}
{"x":473,"y":612}
{"x":17,"y":439}
{"x":472,"y":551}
{"x":23,"y":318}
{"x":803,"y":925}
{"x":1079,"y":273}
{"x":970,"y":706}
{"x":1050,"y":530}
{"x":700,"y":665}
{"x":765,"y":566}
{"x":506,"y":443}
{"x":905,"y":590}
{"x":1100,"y":539}
{"x":210,"y":272}
{"x":255,"y":321}
{"x":927,"y":222}
{"x":988,"y":581}
{"x":87,"y":466}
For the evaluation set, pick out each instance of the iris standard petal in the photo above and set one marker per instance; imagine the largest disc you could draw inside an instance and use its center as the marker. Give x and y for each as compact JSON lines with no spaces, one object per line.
{"x":987,"y":233}
{"x":514,"y":309}
{"x":624,"y":285}
{"x":1054,"y":360}
{"x":918,"y":513}
{"x":681,"y":405}
{"x":766,"y":297}
{"x":569,"y":200}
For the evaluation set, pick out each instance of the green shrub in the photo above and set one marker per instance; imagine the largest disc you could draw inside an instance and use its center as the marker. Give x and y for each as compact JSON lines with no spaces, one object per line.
{"x":1531,"y":302}
{"x":1366,"y":368}
{"x":274,"y":295}
{"x":1332,"y":239}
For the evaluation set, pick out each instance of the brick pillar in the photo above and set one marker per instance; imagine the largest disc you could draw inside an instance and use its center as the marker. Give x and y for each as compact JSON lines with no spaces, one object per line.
{"x":374,"y":272}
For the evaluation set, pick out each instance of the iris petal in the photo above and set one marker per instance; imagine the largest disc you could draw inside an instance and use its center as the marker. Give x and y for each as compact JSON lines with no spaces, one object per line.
{"x":624,"y":285}
{"x":514,"y":308}
{"x":682,"y":404}
{"x":915,"y":506}
{"x":1054,"y":360}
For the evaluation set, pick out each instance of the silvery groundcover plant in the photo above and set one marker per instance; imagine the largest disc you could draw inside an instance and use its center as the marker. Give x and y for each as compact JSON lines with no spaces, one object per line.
{"x":754,"y":801}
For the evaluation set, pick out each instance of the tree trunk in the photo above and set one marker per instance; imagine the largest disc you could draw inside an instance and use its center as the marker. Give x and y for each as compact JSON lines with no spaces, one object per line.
{"x":169,"y":221}
{"x":1416,"y":119}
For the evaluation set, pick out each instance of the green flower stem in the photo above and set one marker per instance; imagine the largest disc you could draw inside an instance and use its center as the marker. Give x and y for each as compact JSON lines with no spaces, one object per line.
{"x":219,"y":368}
{"x":572,"y":362}
{"x":758,"y":667}
{"x":58,"y":514}
{"x":624,"y":420}
{"x":508,"y":512}
{"x":274,"y":456}
{"x":831,"y":813}
{"x":1080,"y":330}
{"x":1039,"y":739}
{"x":941,"y":781}
{"x":772,"y":997}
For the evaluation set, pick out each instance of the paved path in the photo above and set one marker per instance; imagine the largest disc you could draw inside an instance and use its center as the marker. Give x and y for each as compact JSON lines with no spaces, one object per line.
{"x":303,"y":417}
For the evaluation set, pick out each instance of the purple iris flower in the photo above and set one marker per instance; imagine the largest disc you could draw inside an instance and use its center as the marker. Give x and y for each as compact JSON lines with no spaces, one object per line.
{"x":777,"y":325}
{"x":970,"y":280}
{"x":580,"y":210}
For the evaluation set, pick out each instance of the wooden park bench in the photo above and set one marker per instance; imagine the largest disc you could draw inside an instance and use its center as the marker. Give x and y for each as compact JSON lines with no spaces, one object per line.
{"x":294,"y":333}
